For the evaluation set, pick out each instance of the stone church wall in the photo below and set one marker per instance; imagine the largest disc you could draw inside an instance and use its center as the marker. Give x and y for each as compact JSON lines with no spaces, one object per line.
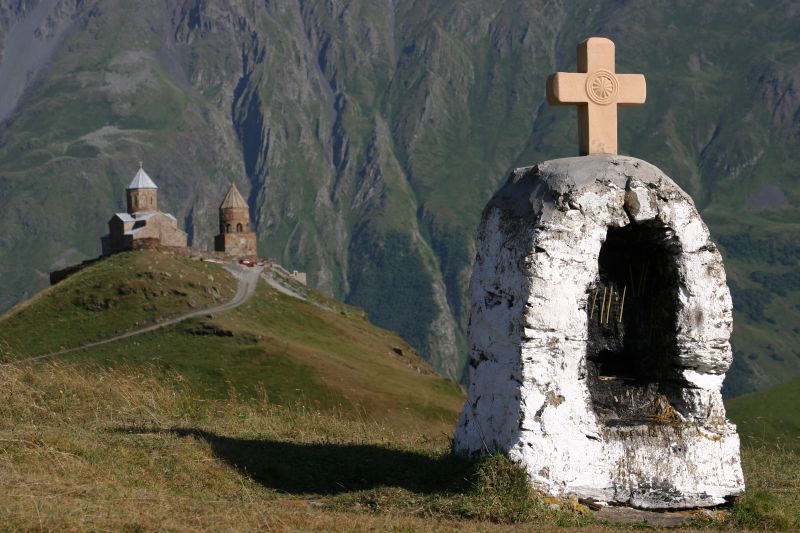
{"x":236,"y":244}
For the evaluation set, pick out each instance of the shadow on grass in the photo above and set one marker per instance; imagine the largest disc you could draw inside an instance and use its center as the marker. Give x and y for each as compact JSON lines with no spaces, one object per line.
{"x":330,"y":469}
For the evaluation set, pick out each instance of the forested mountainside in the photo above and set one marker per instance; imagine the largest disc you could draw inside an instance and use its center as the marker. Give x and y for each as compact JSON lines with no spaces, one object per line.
{"x":367,"y":135}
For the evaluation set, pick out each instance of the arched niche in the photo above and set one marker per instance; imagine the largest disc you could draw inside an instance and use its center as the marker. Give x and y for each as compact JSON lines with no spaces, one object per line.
{"x":632,"y":348}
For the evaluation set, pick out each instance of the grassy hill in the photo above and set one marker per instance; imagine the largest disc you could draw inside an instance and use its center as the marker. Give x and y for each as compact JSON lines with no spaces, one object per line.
{"x":769,"y":427}
{"x":112,"y":296}
{"x":280,"y":413}
{"x":319,"y":353}
{"x":769,"y":417}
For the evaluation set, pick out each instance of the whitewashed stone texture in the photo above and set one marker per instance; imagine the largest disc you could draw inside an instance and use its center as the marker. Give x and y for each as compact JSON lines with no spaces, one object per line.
{"x":549,"y":385}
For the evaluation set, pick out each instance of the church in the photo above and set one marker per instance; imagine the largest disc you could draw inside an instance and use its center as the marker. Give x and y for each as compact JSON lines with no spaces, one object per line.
{"x":143,"y":225}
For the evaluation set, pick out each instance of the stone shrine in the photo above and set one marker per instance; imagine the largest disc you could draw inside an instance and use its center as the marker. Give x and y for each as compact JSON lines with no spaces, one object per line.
{"x":143,"y":225}
{"x":600,"y":321}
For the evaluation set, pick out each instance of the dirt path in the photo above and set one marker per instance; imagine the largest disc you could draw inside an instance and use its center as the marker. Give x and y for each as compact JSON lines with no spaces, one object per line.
{"x":278,"y":286}
{"x":248,"y":280}
{"x":275,"y":283}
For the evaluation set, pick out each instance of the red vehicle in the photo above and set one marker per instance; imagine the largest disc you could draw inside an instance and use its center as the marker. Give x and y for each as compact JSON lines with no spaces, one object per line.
{"x":248,"y":262}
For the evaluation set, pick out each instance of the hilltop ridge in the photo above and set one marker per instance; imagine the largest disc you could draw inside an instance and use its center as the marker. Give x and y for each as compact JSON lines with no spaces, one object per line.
{"x":289,"y":343}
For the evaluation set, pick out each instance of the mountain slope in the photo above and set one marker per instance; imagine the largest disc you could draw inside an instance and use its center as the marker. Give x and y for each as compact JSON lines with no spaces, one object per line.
{"x":369,"y":135}
{"x":771,"y":416}
{"x":316,"y":351}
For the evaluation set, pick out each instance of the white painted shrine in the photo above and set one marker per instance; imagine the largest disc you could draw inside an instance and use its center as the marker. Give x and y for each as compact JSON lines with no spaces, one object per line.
{"x":599,"y":336}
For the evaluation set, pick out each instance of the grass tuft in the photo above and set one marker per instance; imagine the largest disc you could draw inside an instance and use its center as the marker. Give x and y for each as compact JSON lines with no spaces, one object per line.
{"x":492,"y":489}
{"x":759,"y":509}
{"x":500,"y":492}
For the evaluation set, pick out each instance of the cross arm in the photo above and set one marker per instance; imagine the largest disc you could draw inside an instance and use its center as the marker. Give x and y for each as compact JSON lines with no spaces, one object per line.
{"x":566,"y":88}
{"x":632,"y":89}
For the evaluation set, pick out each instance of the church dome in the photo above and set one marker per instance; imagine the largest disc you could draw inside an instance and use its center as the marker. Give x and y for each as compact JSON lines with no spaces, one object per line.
{"x":233,"y":200}
{"x":141,"y":181}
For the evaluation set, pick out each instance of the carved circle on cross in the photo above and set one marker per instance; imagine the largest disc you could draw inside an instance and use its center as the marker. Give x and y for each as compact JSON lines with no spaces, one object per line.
{"x":602,"y":87}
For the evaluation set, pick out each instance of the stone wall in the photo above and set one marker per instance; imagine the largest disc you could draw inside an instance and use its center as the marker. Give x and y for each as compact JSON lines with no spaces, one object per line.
{"x":150,"y":243}
{"x":165,"y":229}
{"x":237,"y":244}
{"x":233,"y":217}
{"x":157,"y":228}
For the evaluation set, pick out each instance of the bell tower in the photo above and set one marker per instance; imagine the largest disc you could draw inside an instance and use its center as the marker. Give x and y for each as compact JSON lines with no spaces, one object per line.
{"x":235,"y":237}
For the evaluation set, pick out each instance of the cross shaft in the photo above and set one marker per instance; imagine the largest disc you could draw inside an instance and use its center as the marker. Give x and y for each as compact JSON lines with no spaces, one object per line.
{"x":597,"y":90}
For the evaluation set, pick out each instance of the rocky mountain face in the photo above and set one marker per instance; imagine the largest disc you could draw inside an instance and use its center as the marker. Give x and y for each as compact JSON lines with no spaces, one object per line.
{"x":367,"y":136}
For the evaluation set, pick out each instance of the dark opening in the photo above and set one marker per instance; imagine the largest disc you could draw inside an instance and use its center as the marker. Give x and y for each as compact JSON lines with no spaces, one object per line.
{"x":632,"y":307}
{"x":227,"y":228}
{"x":238,"y":228}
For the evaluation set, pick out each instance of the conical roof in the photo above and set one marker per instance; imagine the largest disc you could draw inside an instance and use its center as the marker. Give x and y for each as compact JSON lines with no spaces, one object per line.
{"x":142,"y":181}
{"x":233,"y":199}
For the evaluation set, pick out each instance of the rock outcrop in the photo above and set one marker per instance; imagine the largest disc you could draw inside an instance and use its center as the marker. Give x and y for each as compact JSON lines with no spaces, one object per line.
{"x":599,"y":337}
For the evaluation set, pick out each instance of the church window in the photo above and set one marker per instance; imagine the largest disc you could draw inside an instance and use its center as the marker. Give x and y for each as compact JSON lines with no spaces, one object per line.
{"x":227,"y":228}
{"x":239,"y":227}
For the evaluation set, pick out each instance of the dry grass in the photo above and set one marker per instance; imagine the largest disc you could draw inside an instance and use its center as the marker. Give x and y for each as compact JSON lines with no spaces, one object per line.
{"x":772,"y":500}
{"x":120,"y":448}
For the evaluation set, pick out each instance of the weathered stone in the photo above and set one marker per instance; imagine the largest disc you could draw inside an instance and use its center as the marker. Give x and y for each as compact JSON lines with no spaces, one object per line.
{"x":616,"y":400}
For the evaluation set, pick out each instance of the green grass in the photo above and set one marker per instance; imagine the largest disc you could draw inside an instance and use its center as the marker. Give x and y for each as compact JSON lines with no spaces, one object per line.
{"x":769,"y":427}
{"x":112,"y":296}
{"x":293,"y":351}
{"x":770,"y":417}
{"x":324,"y":354}
{"x":772,"y":476}
{"x":278,"y":412}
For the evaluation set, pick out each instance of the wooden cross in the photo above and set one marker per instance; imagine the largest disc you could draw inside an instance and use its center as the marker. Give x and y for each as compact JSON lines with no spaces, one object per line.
{"x":597,"y":91}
